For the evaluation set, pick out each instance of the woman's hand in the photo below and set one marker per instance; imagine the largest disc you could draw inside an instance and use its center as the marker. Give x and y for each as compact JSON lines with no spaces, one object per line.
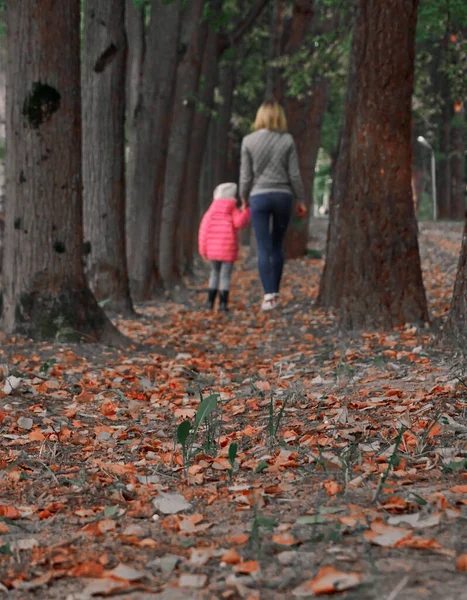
{"x":244,"y":203}
{"x":301,"y":210}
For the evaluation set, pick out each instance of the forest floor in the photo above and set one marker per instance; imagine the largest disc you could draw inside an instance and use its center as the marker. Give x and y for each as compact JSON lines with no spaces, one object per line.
{"x":349,"y":477}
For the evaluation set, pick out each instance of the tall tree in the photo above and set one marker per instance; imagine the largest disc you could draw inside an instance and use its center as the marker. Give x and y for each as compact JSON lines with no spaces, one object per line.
{"x":198,"y":141}
{"x":153,"y":122}
{"x":104,"y":65}
{"x":273,"y":80}
{"x":135,"y":33}
{"x":456,"y":326}
{"x":45,"y":291}
{"x":305,"y":116}
{"x":188,"y":74}
{"x":372,"y":272}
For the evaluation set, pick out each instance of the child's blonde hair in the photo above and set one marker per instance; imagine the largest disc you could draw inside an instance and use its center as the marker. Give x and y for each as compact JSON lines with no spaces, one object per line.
{"x":270,"y":116}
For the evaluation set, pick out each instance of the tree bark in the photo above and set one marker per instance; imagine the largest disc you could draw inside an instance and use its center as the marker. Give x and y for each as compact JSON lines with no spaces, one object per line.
{"x":135,"y":33}
{"x":443,"y":163}
{"x":226,"y":89}
{"x":198,"y":143}
{"x":305,"y":117}
{"x":136,"y":42}
{"x":151,"y":144}
{"x":45,"y":292}
{"x":104,"y":64}
{"x":456,"y":327}
{"x":372,"y":272}
{"x":457,"y":167}
{"x":273,"y":80}
{"x":188,"y":73}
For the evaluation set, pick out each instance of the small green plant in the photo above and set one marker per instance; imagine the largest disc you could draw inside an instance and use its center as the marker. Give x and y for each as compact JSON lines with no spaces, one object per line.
{"x":275,"y":419}
{"x":233,"y":448}
{"x":45,"y":367}
{"x":187,"y":432}
{"x":392,"y":462}
{"x":259,"y":522}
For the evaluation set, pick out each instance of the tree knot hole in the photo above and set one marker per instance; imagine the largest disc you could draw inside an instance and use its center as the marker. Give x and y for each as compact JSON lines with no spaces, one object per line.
{"x":105,"y":58}
{"x":40,"y":104}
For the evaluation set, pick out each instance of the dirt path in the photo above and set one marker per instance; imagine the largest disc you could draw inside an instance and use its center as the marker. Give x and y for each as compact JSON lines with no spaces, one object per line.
{"x":351,"y":454}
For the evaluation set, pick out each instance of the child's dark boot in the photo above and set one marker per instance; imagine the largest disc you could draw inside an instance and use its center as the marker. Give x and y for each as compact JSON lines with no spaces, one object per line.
{"x":211,"y":298}
{"x":224,"y":301}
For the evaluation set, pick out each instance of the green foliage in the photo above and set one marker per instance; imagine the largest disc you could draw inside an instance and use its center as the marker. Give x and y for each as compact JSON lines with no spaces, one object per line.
{"x":233,"y":448}
{"x":2,"y":18}
{"x":187,"y":432}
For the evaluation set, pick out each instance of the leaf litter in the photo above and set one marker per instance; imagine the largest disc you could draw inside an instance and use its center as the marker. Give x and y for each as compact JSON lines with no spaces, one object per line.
{"x":276,"y":495}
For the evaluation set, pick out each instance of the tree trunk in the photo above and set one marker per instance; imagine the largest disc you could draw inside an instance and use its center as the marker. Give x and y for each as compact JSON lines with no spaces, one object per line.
{"x":458,"y":163}
{"x":273,"y":80}
{"x":443,"y":163}
{"x":305,"y":118}
{"x":372,"y":271}
{"x":104,"y":65}
{"x":151,"y":144}
{"x":45,"y":292}
{"x":305,"y":121}
{"x":456,"y":326}
{"x":226,"y":89}
{"x":188,"y":73}
{"x":136,"y":42}
{"x":198,"y":143}
{"x":135,"y":33}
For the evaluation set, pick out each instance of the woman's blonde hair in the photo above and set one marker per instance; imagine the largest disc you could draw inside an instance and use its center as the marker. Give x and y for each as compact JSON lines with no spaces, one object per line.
{"x":270,"y":116}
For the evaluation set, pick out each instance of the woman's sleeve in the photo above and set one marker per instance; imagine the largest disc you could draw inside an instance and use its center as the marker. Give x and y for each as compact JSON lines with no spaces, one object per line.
{"x":294,"y":174}
{"x":246,"y":172}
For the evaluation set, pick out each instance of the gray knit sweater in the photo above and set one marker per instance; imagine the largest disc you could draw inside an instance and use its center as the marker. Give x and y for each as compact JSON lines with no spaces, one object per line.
{"x":269,"y":163}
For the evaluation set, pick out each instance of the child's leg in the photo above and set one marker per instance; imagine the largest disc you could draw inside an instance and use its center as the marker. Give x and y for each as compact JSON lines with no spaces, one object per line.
{"x":225,"y":276}
{"x":215,"y":274}
{"x":213,"y":282}
{"x":224,"y":285}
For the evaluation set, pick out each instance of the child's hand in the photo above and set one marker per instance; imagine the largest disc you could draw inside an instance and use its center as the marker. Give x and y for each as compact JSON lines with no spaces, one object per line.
{"x":301,"y":210}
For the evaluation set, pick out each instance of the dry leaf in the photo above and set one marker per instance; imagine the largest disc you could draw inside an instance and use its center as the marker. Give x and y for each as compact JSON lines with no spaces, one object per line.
{"x":247,"y":568}
{"x":329,"y":580}
{"x":461,"y":563}
{"x":192,"y":581}
{"x":332,"y":487}
{"x":385,"y":535}
{"x":170,"y":504}
{"x":231,"y":557}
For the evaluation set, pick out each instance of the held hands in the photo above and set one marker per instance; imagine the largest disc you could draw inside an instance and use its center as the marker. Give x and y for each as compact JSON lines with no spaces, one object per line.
{"x":244,"y":204}
{"x":301,"y":210}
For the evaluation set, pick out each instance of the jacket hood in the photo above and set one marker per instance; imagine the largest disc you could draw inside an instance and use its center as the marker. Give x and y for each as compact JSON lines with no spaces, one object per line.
{"x":225,"y":190}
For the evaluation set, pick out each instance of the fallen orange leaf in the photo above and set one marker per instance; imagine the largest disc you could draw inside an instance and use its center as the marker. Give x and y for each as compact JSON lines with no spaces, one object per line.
{"x":9,"y":512}
{"x":247,"y":567}
{"x":332,"y":487}
{"x":231,"y":557}
{"x":328,"y":581}
{"x":87,"y":569}
{"x":459,"y":489}
{"x":284,"y":539}
{"x":461,"y":563}
{"x":239,"y":540}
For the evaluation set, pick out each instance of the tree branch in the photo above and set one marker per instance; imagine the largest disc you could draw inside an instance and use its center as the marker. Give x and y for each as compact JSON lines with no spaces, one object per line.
{"x":232,"y":39}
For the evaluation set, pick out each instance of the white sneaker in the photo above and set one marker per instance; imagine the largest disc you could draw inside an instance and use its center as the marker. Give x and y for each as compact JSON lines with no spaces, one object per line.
{"x":270,"y":302}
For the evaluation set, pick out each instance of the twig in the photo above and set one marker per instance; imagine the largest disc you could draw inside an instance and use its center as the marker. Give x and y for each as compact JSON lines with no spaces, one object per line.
{"x":399,"y":587}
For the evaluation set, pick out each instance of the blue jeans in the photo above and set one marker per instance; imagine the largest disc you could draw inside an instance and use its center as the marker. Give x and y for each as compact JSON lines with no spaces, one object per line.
{"x":270,"y":217}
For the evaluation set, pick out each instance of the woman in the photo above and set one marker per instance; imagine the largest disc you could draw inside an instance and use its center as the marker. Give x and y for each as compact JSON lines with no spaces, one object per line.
{"x":270,"y":177}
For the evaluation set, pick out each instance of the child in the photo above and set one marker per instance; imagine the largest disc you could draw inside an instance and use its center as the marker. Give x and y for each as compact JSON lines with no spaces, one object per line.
{"x":218,"y":240}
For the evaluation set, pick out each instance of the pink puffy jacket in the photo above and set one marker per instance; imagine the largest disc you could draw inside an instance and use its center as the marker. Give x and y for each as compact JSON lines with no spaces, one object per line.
{"x":218,"y":233}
